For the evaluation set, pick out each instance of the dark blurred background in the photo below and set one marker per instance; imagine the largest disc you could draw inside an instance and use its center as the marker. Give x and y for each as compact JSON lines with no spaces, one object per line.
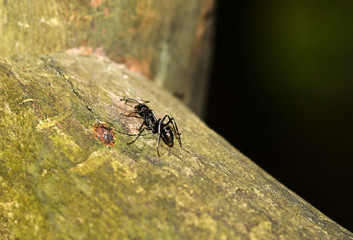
{"x":282,"y":93}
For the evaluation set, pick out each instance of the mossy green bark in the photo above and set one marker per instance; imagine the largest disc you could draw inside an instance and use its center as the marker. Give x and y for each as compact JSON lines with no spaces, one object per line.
{"x":58,"y":181}
{"x":166,"y":41}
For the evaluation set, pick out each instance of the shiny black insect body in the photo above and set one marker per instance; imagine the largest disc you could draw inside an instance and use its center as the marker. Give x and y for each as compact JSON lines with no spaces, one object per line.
{"x":166,"y":127}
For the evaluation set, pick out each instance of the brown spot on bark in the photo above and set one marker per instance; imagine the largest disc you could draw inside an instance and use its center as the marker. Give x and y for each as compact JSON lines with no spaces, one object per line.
{"x":104,"y":133}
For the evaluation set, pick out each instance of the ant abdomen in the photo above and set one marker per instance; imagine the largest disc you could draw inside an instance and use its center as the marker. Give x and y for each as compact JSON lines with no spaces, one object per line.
{"x":167,"y":137}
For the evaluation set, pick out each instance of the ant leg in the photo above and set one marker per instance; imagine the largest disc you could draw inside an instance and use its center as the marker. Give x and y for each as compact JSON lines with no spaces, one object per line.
{"x":131,"y":135}
{"x":159,"y":136}
{"x":139,"y":134}
{"x":160,"y":123}
{"x":175,"y":129}
{"x":135,"y":116}
{"x":141,"y":129}
{"x":128,"y":99}
{"x":177,"y":133}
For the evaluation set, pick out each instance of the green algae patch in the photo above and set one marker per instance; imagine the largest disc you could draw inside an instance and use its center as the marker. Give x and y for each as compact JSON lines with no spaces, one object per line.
{"x":61,"y":178}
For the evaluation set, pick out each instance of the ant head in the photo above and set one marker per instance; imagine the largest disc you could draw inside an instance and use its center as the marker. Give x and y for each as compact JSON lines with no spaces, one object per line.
{"x":141,"y":107}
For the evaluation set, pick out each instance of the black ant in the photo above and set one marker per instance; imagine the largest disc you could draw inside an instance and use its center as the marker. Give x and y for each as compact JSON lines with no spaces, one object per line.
{"x":150,"y":122}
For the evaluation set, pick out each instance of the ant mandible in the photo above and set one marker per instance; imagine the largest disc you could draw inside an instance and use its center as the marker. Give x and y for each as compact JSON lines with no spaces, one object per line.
{"x":150,"y":122}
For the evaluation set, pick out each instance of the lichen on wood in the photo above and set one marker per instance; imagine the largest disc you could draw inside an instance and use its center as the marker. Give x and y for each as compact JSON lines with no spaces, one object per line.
{"x":58,"y":181}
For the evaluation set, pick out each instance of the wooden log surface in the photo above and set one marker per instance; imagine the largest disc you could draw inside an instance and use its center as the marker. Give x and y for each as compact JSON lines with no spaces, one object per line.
{"x":168,"y":42}
{"x":59,"y":181}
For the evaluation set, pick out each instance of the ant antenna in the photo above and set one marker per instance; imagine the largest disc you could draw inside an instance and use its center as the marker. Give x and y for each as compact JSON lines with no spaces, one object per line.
{"x":127,"y":99}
